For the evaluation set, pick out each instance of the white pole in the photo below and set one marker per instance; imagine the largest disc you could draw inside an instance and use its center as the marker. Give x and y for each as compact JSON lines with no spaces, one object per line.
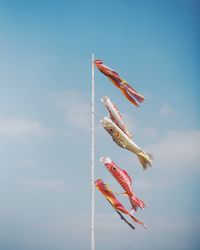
{"x":92,"y":160}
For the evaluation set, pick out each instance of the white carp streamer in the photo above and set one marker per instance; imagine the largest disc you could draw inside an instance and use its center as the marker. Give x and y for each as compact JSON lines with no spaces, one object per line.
{"x":122,"y":140}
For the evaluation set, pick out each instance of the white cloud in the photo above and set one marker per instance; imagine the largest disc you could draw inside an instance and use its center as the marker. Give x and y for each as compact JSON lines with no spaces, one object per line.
{"x":178,"y":149}
{"x":49,"y":184}
{"x":166,"y":109}
{"x":75,"y":106}
{"x":150,"y":132}
{"x":17,"y":127}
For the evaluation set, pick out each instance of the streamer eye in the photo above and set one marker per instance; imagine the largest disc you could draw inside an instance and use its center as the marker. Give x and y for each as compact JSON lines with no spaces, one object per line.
{"x":114,"y":168}
{"x":111,"y":130}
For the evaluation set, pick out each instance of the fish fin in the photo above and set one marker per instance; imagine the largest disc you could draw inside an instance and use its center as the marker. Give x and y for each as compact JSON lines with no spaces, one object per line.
{"x":135,"y":202}
{"x":120,"y":143}
{"x":107,"y":188}
{"x":123,"y":144}
{"x":145,"y":159}
{"x":150,"y":156}
{"x":124,"y":193}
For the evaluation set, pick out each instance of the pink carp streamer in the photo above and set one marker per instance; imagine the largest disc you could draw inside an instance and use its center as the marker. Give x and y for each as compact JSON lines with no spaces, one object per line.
{"x":115,"y":115}
{"x":118,"y":207}
{"x":129,"y":92}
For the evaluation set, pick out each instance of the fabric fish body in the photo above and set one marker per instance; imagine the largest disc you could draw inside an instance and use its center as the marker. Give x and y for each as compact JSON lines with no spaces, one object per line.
{"x":125,"y":182}
{"x":115,"y":115}
{"x":109,"y":195}
{"x":127,"y":90}
{"x":122,"y":140}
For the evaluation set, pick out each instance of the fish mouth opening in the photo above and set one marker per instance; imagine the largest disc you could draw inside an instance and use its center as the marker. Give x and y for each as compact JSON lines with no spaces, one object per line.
{"x":98,"y":61}
{"x":105,"y":160}
{"x":104,"y":99}
{"x":98,"y":182}
{"x":104,"y":120}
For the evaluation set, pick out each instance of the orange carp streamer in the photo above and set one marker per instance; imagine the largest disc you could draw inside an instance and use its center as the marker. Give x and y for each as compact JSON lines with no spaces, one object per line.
{"x":109,"y":195}
{"x":129,"y":92}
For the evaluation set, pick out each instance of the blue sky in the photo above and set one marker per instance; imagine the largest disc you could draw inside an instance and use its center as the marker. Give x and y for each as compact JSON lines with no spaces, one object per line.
{"x":45,"y":91}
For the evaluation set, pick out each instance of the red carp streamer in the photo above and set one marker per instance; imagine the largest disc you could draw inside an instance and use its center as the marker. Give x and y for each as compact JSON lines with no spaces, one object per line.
{"x":125,"y":181}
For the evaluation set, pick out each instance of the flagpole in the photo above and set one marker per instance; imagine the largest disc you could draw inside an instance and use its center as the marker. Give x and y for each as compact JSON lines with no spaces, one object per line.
{"x":92,"y":159}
